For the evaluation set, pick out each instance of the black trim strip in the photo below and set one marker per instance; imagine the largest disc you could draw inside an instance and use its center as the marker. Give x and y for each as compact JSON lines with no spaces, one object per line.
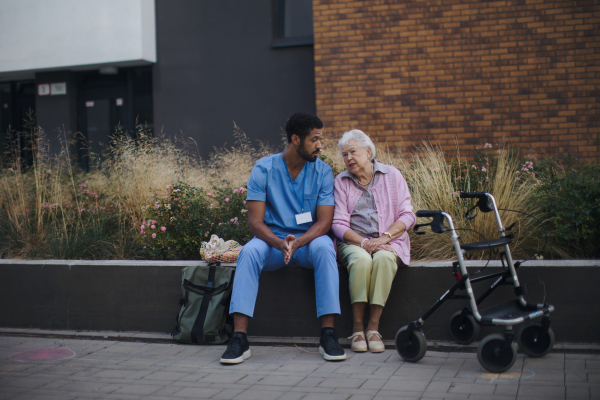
{"x":198,"y":328}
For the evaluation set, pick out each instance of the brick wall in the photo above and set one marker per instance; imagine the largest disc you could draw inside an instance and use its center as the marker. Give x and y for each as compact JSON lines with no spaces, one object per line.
{"x":525,"y":72}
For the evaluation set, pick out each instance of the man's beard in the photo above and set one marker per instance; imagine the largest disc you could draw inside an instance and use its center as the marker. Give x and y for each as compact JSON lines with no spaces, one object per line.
{"x":305,"y":154}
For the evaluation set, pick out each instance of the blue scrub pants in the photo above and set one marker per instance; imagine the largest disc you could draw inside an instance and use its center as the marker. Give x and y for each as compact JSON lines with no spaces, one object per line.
{"x":257,"y":256}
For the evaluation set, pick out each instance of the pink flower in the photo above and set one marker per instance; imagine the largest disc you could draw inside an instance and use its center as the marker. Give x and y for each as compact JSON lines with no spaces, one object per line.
{"x":163,"y":228}
{"x":153,"y":226}
{"x":235,"y":191}
{"x":82,"y":185}
{"x":169,"y":186}
{"x":242,"y":189}
{"x":154,"y":236}
{"x":209,"y":194}
{"x":244,"y":201}
{"x":483,"y":169}
{"x":153,"y":222}
{"x":488,"y":146}
{"x":143,"y":226}
{"x":227,"y":199}
{"x":175,"y":199}
{"x":144,"y":246}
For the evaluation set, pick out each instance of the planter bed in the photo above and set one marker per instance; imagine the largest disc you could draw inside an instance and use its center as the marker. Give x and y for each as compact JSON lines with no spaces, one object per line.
{"x":144,"y":296}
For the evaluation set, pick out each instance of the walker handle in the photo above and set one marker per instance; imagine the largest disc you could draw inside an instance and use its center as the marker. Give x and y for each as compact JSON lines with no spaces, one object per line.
{"x":426,"y":213}
{"x":472,"y":195}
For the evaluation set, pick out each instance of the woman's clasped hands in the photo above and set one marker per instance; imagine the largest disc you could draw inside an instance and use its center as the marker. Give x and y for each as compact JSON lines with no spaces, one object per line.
{"x":373,"y":245}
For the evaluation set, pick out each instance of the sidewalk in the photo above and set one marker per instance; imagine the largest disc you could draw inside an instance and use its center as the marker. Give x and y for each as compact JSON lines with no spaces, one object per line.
{"x":52,"y":365}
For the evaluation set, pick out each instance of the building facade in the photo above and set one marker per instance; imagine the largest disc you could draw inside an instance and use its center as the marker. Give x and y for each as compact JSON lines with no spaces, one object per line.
{"x":467,"y":72}
{"x":181,"y":68}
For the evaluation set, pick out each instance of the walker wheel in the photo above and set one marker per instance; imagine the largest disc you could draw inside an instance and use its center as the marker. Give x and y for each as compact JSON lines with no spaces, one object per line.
{"x":531,"y":344}
{"x":411,"y":345}
{"x":464,"y":333}
{"x":492,"y":355}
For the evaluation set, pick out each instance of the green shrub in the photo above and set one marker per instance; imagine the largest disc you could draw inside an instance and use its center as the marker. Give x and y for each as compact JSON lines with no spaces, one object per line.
{"x":570,"y":198}
{"x":179,"y":218}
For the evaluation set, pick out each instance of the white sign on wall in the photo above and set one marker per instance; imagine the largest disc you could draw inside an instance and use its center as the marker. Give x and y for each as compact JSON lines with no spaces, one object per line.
{"x":57,"y":89}
{"x":43,"y":89}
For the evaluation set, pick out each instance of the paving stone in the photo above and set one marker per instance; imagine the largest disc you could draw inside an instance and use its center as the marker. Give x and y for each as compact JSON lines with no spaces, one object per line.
{"x":575,"y":365}
{"x":342,"y":382}
{"x":325,"y":396}
{"x":405,"y":386}
{"x":373,"y":384}
{"x":112,"y":370}
{"x":592,"y":364}
{"x":507,"y":390}
{"x":437,"y":387}
{"x":29,"y":396}
{"x":383,"y":395}
{"x":471,"y":388}
{"x":197,"y":393}
{"x":259,"y":395}
{"x":541,"y":391}
{"x":578,"y":393}
{"x":138,"y":389}
{"x":360,"y":397}
{"x":223,"y":378}
{"x":228,"y":394}
{"x":284,"y":380}
{"x":576,"y":376}
{"x":293,"y":396}
{"x":594,"y":392}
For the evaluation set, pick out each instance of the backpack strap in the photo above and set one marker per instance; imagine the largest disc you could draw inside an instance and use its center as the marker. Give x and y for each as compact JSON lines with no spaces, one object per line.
{"x":198,"y":328}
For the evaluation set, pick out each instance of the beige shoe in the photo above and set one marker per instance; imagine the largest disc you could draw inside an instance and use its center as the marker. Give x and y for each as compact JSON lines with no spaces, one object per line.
{"x":358,"y":346}
{"x":376,"y":346}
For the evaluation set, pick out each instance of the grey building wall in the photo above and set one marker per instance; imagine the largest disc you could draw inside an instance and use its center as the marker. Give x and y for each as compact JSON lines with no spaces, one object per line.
{"x":216,"y":65}
{"x":57,"y":115}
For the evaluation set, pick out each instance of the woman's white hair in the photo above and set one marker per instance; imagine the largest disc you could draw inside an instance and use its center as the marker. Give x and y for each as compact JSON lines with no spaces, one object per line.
{"x":361,"y":138}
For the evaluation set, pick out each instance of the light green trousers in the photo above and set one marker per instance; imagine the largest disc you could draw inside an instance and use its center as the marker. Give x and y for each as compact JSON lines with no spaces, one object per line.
{"x":370,"y":276}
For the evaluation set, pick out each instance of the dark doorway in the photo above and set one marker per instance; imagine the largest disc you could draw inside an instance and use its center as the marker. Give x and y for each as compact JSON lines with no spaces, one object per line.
{"x":17,"y":116}
{"x":112,"y":105}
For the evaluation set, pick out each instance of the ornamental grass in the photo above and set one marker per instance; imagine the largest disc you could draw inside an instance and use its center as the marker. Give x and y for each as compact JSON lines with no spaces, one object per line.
{"x":50,"y":208}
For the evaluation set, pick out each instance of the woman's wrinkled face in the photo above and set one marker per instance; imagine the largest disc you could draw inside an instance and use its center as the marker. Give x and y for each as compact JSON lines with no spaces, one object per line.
{"x":356,"y":158}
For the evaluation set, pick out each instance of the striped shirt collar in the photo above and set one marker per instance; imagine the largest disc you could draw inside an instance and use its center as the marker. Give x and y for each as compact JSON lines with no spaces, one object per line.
{"x":379,"y":167}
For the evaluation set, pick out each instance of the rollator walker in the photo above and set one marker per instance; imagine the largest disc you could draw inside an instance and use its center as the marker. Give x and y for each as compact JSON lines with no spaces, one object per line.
{"x":497,"y":352}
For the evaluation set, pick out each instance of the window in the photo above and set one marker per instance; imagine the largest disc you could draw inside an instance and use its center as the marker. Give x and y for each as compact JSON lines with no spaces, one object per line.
{"x":292,"y":23}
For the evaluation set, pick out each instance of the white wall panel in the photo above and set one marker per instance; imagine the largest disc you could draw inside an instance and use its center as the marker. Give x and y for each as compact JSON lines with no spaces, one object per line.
{"x":42,"y":34}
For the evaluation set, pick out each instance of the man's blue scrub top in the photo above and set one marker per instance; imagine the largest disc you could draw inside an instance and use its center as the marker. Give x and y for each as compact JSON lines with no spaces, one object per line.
{"x":270,"y":182}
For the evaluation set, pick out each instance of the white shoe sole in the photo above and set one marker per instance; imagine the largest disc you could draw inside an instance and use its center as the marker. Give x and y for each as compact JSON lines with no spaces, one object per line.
{"x":327,"y":357}
{"x":238,"y":360}
{"x":359,"y":347}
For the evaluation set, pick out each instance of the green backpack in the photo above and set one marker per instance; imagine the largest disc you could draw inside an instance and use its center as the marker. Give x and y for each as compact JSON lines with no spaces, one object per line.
{"x":204,"y":317}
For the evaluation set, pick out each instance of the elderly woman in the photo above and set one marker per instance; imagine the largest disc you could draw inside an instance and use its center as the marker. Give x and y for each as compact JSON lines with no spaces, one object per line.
{"x":372,"y":215}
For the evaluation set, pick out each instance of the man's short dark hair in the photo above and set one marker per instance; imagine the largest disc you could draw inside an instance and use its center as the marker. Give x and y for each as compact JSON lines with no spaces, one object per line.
{"x":301,"y":124}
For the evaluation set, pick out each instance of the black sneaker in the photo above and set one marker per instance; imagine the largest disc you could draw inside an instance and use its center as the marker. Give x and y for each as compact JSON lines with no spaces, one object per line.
{"x":238,"y":349}
{"x":330,"y":347}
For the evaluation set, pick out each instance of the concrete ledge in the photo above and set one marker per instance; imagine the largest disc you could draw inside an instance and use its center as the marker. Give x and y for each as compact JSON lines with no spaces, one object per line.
{"x":143,"y":296}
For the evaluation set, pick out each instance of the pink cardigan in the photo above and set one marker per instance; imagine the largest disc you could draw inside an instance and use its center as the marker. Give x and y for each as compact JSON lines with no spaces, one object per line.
{"x":391,"y":198}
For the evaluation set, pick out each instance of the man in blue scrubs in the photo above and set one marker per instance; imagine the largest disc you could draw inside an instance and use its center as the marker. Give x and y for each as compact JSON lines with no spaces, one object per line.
{"x":290,"y":209}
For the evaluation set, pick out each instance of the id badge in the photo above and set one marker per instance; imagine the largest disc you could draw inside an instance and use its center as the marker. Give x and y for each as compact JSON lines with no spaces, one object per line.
{"x":303,"y":218}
